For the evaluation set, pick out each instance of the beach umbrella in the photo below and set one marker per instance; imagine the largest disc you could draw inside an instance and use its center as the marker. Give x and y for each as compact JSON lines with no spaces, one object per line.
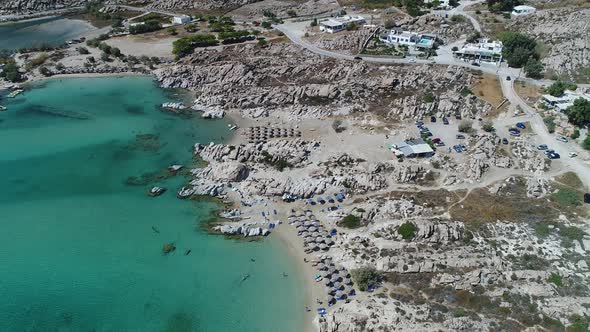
{"x":337,"y":285}
{"x":323,"y":246}
{"x":321,"y":266}
{"x":332,"y":269}
{"x":339,"y":295}
{"x":348,"y":281}
{"x":327,"y":282}
{"x":325,"y":274}
{"x":331,"y":300}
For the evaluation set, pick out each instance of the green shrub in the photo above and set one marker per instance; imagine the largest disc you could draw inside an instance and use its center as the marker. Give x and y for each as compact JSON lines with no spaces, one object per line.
{"x":575,"y":134}
{"x":567,"y":197}
{"x":488,"y":126}
{"x":586,"y":143}
{"x":550,"y":123}
{"x":555,"y":279}
{"x":351,"y":221}
{"x":366,"y":277}
{"x":428,"y":97}
{"x":466,"y":126}
{"x":407,"y":230}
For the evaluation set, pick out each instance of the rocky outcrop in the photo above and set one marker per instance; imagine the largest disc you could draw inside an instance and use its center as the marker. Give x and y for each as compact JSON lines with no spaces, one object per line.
{"x":285,"y":78}
{"x":34,"y":6}
{"x":247,"y":230}
{"x":200,"y":5}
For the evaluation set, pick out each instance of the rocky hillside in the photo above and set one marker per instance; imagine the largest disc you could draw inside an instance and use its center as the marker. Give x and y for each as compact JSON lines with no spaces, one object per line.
{"x":564,"y":35}
{"x":24,"y":6}
{"x":282,"y":77}
{"x":203,"y":5}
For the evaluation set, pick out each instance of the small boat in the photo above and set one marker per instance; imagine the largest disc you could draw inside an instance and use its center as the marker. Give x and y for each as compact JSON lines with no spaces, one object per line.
{"x":244,"y":278}
{"x":156,"y":191}
{"x":3,"y":108}
{"x":155,"y":229}
{"x":186,"y":253}
{"x":15,"y":93}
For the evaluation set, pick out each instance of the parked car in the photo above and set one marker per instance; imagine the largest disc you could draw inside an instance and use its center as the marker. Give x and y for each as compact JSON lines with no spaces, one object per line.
{"x":358,"y":58}
{"x":573,"y":154}
{"x":458,"y":116}
{"x":512,"y":129}
{"x":520,"y":125}
{"x":561,"y":139}
{"x":475,"y":64}
{"x":542,"y":147}
{"x":548,"y":152}
{"x":460,"y":136}
{"x":457,"y":148}
{"x":445,"y":121}
{"x":433,"y":119}
{"x":427,"y":133}
{"x":441,"y":143}
{"x":436,"y":140}
{"x":504,"y":141}
{"x":508,"y":78}
{"x":412,"y":61}
{"x":463,"y":147}
{"x":419,"y":123}
{"x":554,"y":155}
{"x":515,"y":133}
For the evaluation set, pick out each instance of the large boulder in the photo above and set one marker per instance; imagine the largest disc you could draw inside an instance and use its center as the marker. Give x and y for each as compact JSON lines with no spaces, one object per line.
{"x":231,"y":171}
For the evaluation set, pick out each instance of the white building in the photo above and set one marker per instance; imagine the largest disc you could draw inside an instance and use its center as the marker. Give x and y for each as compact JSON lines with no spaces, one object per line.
{"x":441,"y":3}
{"x":483,"y":50}
{"x":337,"y":24}
{"x":562,"y":103}
{"x":183,"y":19}
{"x":412,"y":148}
{"x":408,"y":38}
{"x":523,"y":10}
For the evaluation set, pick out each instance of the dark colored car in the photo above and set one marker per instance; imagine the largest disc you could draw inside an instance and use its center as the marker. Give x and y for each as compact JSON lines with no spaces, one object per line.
{"x":520,"y":125}
{"x":458,"y":116}
{"x":358,"y":58}
{"x":433,"y":119}
{"x":508,"y":78}
{"x":436,"y":140}
{"x":460,"y":136}
{"x":504,"y":141}
{"x":554,"y":155}
{"x":445,"y":121}
{"x":475,"y":64}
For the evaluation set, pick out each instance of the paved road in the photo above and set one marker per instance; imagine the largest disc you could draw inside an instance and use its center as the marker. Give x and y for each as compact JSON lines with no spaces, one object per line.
{"x":149,"y":10}
{"x":459,"y":10}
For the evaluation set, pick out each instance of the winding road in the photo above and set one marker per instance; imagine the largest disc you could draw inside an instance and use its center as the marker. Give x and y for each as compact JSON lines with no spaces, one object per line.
{"x":296,"y":30}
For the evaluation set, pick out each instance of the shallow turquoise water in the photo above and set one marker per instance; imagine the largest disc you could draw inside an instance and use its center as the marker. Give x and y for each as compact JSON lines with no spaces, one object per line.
{"x":78,"y":251}
{"x":52,"y":31}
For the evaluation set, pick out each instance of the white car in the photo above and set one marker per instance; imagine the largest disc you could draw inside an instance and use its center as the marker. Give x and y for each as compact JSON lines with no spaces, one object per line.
{"x":572,"y":154}
{"x":412,"y":60}
{"x":561,"y":139}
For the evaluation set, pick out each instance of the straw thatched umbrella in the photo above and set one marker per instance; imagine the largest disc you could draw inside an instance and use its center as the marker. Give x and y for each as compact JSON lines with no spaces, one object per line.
{"x":321,"y":266}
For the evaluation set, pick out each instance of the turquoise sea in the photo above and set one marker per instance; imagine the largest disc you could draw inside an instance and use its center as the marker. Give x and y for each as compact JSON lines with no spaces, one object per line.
{"x":78,"y":247}
{"x":51,"y":30}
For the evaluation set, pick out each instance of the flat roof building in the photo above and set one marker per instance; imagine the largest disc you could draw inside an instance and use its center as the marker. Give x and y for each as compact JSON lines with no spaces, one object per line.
{"x":563,"y":102}
{"x":337,"y":24}
{"x":523,"y":10}
{"x":412,"y":148}
{"x":182,"y":19}
{"x":408,"y":38}
{"x":483,"y":50}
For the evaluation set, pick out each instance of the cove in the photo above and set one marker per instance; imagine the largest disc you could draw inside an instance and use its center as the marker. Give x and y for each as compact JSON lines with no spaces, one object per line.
{"x":82,"y":245}
{"x":52,"y":31}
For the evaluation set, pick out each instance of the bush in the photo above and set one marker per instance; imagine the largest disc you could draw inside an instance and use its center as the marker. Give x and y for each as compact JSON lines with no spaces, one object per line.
{"x":351,"y":221}
{"x":555,"y":279}
{"x":567,"y":197}
{"x":105,"y":57}
{"x":187,"y":45}
{"x":37,"y":61}
{"x":291,"y":13}
{"x":454,"y":49}
{"x":466,"y":126}
{"x":266,"y":25}
{"x":575,"y":134}
{"x":488,"y":126}
{"x":172,"y":31}
{"x":337,"y":126}
{"x":550,"y":123}
{"x":147,"y":26}
{"x":44,"y":71}
{"x":262,"y":42}
{"x":428,"y":97}
{"x":556,"y":89}
{"x":407,"y":230}
{"x":586,"y":143}
{"x":458,"y":18}
{"x":579,"y":324}
{"x":366,"y":277}
{"x":83,"y":50}
{"x":533,"y":68}
{"x":314,"y":22}
{"x":579,"y":113}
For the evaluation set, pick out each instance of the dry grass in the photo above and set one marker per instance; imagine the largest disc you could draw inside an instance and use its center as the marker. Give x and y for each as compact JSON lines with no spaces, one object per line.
{"x":528,"y":92}
{"x":511,"y":204}
{"x":570,"y":179}
{"x":487,"y":87}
